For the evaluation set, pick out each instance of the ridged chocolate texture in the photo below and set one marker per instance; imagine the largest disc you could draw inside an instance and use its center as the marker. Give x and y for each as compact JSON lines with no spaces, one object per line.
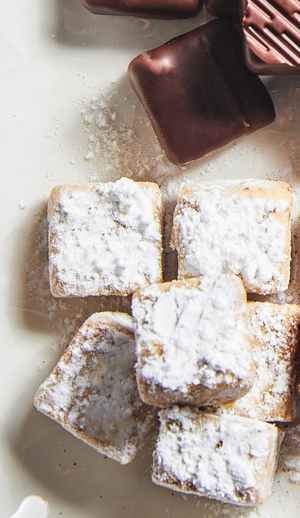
{"x":224,"y":9}
{"x":165,"y":9}
{"x":198,"y":92}
{"x":272,"y":34}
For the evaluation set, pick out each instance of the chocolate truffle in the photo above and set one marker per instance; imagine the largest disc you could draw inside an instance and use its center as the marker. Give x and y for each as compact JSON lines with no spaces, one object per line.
{"x":198,"y":92}
{"x":168,"y":9}
{"x":272,"y":36}
{"x":224,"y":9}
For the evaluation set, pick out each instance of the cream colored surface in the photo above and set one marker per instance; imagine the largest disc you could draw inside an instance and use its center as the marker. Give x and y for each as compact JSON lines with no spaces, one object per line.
{"x":58,"y":61}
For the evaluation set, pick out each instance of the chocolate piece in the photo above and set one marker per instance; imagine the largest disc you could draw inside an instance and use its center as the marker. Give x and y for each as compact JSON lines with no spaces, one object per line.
{"x":224,"y":9}
{"x":272,"y":36}
{"x":167,"y":9}
{"x":198,"y":92}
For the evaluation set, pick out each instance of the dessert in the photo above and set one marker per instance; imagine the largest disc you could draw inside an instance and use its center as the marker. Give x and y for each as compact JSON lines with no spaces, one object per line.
{"x":272,"y":36}
{"x":230,"y":458}
{"x":105,"y":238}
{"x":92,"y":390}
{"x":224,"y":8}
{"x":198,"y":93}
{"x":235,"y":226}
{"x":274,"y":330}
{"x":192,"y":341}
{"x":168,"y":9}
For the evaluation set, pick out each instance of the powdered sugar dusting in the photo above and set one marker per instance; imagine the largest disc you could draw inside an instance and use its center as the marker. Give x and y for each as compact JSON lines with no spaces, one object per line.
{"x":202,"y":331}
{"x":92,"y":391}
{"x":105,"y":238}
{"x":275,"y":351}
{"x":219,"y":457}
{"x":120,"y":139}
{"x":218,"y":230}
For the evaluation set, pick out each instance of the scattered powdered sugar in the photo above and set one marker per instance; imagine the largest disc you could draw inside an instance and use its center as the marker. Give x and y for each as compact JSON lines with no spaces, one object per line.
{"x":201,"y":329}
{"x":120,"y":138}
{"x":219,"y":457}
{"x":217,"y":230}
{"x":92,"y":391}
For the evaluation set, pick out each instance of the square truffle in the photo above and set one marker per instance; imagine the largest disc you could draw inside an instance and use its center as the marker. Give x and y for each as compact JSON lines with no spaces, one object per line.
{"x":92,"y":391}
{"x":165,"y":9}
{"x":105,"y":238}
{"x":235,"y":226}
{"x":274,"y":330}
{"x":229,"y":458}
{"x":198,"y":92}
{"x":192,"y":342}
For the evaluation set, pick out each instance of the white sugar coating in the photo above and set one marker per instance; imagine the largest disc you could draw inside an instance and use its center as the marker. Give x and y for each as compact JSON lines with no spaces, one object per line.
{"x":273,"y":397}
{"x":92,"y":391}
{"x":222,"y":227}
{"x":229,"y":458}
{"x":105,"y":238}
{"x":202,"y":331}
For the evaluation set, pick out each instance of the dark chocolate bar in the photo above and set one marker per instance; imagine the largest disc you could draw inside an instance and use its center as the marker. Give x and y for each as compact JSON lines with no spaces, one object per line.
{"x":198,"y":92}
{"x":272,"y":36}
{"x":224,"y":9}
{"x":165,"y":9}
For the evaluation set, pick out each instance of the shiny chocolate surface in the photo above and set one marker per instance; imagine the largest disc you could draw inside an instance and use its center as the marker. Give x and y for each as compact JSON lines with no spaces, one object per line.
{"x":165,"y":9}
{"x":224,"y":9}
{"x":198,"y":92}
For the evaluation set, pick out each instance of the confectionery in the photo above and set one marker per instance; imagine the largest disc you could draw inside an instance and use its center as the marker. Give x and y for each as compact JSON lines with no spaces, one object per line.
{"x":274,"y":330}
{"x":198,"y":93}
{"x":192,"y":342}
{"x":165,"y":9}
{"x":229,"y":458}
{"x":92,"y":390}
{"x":224,"y":8}
{"x":272,"y":36}
{"x":235,"y":226}
{"x":105,"y":238}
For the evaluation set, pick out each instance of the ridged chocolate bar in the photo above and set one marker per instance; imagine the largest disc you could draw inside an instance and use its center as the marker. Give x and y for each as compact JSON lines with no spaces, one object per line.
{"x":272,"y":36}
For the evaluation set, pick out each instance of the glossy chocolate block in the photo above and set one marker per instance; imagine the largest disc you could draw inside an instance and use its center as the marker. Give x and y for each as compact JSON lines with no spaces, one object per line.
{"x":168,"y":9}
{"x":272,"y":36}
{"x":224,"y":9}
{"x":198,"y":92}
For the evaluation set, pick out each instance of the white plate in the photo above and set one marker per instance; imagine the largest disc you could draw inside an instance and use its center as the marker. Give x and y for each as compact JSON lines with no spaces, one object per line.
{"x":64,"y":72}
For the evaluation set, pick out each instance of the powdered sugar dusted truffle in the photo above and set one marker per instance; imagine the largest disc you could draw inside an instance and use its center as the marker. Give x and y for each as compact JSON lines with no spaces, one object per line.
{"x":240,"y":227}
{"x":192,"y":341}
{"x":229,"y":458}
{"x":92,"y":391}
{"x":274,"y":330}
{"x":104,"y":239}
